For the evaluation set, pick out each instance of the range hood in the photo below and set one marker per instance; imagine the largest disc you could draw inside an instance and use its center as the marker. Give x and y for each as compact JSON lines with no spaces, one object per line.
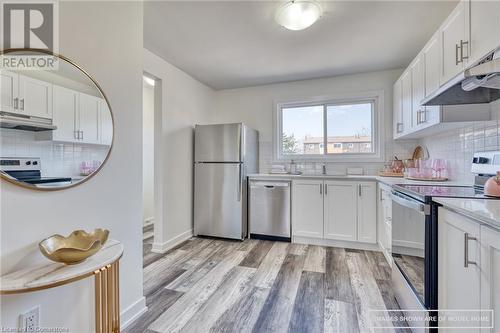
{"x":477,"y":85}
{"x":25,"y":123}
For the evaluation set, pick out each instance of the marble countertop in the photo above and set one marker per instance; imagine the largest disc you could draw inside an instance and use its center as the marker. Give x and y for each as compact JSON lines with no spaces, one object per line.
{"x":486,"y":211}
{"x":386,"y":180}
{"x":48,"y":274}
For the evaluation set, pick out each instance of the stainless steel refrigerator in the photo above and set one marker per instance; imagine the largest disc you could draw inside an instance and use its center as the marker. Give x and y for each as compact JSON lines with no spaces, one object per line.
{"x":224,"y":155}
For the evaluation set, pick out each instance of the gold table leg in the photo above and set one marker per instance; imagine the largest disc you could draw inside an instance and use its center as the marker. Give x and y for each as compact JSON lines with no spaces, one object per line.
{"x":107,"y":299}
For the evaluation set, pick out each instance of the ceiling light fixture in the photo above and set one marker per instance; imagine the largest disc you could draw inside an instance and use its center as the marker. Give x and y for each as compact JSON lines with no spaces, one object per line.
{"x":298,"y":14}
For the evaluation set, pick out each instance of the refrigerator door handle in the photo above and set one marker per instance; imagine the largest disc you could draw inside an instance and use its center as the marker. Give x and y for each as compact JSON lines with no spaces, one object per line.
{"x":240,"y":181}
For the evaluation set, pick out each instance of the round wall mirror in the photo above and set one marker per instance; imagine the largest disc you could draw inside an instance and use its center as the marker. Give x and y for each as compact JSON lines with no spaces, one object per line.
{"x":56,"y":125}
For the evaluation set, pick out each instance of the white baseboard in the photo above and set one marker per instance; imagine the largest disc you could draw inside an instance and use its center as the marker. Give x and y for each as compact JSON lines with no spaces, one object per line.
{"x":164,"y":247}
{"x":335,"y":243}
{"x":148,"y":221}
{"x":134,"y":311}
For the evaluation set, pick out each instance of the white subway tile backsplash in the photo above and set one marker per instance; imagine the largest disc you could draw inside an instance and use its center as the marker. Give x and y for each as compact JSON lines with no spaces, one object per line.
{"x":57,"y":159}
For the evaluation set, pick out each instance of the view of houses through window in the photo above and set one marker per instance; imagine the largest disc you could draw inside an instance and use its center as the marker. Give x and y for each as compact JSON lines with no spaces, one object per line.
{"x":341,"y":128}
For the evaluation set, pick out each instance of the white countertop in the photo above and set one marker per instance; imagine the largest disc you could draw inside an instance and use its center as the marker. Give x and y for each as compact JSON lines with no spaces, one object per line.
{"x":386,"y":180}
{"x":483,"y":210}
{"x":51,"y":273}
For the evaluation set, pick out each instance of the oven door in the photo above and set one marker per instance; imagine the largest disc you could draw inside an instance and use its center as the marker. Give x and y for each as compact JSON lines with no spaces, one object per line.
{"x":410,"y":231}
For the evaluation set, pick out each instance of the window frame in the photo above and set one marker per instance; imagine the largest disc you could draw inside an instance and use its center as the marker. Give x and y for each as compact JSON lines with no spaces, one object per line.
{"x":378,"y":128}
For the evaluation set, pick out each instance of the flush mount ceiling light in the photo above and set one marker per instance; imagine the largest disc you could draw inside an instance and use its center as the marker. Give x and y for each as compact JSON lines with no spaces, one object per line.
{"x":298,"y":14}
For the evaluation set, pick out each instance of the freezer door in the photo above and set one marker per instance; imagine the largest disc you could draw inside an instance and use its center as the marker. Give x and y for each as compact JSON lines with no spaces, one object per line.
{"x":218,"y":143}
{"x":218,"y":200}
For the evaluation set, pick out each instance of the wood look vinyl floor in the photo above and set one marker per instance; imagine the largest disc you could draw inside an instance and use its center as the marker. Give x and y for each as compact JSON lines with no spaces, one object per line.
{"x":213,"y":285}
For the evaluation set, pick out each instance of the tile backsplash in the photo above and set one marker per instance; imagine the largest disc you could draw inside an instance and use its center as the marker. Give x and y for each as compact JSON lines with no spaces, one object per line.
{"x":459,"y":145}
{"x":402,"y":149}
{"x":57,"y":159}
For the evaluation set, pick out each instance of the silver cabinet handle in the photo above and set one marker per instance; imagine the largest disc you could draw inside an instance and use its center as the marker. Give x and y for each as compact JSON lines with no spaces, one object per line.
{"x":321,"y":189}
{"x":462,"y":57}
{"x":16,"y":103}
{"x":468,"y":238}
{"x":326,"y":189}
{"x":21,"y":102}
{"x":457,"y":61}
{"x":359,"y":190}
{"x":76,"y":134}
{"x":423,"y":116}
{"x":399,"y":127}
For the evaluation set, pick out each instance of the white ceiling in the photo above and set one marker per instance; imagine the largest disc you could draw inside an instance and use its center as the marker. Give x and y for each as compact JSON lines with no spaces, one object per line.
{"x":231,"y":44}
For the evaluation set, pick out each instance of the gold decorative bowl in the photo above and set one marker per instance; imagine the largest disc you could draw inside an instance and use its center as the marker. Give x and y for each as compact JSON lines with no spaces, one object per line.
{"x":75,"y":248}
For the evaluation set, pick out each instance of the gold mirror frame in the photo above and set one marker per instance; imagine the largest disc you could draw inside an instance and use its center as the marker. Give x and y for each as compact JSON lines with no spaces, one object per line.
{"x":51,"y":189}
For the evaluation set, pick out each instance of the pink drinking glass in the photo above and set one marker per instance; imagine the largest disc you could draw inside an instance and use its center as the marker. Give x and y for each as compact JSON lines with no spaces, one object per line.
{"x":439,"y":165}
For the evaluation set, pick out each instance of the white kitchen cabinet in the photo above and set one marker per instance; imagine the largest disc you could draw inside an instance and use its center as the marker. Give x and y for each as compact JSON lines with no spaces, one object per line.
{"x":340,"y":210}
{"x":384,"y":223}
{"x":406,"y":93}
{"x":9,"y":89}
{"x":459,"y":271}
{"x":106,"y":124}
{"x":432,"y":64}
{"x":35,"y":97}
{"x":455,"y":42}
{"x":65,"y":115}
{"x":367,"y":212}
{"x":484,"y":28}
{"x":397,"y":109}
{"x":417,"y":90}
{"x":307,"y":208}
{"x":89,"y":118}
{"x":490,"y":277}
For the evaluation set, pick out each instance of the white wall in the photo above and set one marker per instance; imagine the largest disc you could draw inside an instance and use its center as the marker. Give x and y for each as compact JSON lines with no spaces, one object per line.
{"x":458,"y":146}
{"x":105,"y":38}
{"x":185,"y":102}
{"x":255,"y":106}
{"x":148,"y":123}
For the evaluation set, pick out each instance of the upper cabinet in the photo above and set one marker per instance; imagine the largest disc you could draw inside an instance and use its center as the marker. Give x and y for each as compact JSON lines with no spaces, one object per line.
{"x":455,"y":42}
{"x":25,"y":95}
{"x":484,"y":28}
{"x":469,"y":33}
{"x":9,"y":89}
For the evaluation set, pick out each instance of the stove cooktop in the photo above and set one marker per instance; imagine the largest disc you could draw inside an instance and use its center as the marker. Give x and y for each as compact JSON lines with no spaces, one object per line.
{"x":427,"y":192}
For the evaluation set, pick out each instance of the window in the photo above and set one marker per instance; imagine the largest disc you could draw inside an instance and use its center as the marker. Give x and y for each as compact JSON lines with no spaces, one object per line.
{"x":329,"y":130}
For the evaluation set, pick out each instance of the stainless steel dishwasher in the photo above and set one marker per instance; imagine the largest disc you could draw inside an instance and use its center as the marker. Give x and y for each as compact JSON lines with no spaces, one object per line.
{"x":269,"y":210}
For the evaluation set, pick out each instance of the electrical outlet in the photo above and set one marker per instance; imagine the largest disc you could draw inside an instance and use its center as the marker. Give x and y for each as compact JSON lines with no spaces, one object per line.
{"x":30,"y":321}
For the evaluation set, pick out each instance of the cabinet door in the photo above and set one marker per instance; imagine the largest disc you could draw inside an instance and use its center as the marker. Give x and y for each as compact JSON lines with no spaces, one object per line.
{"x":417,"y":90}
{"x":35,"y":97}
{"x":307,"y":208}
{"x":407,"y":101}
{"x":432,"y":64}
{"x":484,"y":27}
{"x":397,"y":109}
{"x":453,"y":32}
{"x":106,"y":123}
{"x":65,"y":112}
{"x":340,"y":210}
{"x":459,"y":286}
{"x":490,"y":278}
{"x":89,"y":118}
{"x":384,"y":222}
{"x":367,"y":212}
{"x":9,"y":97}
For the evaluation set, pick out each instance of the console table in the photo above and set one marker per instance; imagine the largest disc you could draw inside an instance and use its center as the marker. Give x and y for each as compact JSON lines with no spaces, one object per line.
{"x":104,"y":266}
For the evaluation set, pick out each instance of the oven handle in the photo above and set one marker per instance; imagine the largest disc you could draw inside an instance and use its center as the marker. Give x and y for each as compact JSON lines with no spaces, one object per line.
{"x":410,"y":203}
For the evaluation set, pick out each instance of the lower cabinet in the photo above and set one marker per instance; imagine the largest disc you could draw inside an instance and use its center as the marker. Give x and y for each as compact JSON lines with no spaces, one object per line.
{"x":334,"y":210}
{"x":469,"y":268}
{"x":459,"y":264}
{"x":490,"y":277}
{"x":307,"y":208}
{"x":340,"y":210}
